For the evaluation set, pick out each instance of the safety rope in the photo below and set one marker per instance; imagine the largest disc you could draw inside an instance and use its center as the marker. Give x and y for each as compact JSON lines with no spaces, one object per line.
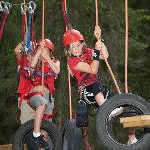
{"x":96,"y":11}
{"x":108,"y":66}
{"x":5,"y":7}
{"x":23,"y":25}
{"x":126,"y":45}
{"x":28,"y":31}
{"x":5,"y":14}
{"x":25,"y":16}
{"x":24,"y":21}
{"x":65,"y":17}
{"x":28,"y":34}
{"x":33,"y":36}
{"x":43,"y":7}
{"x":31,"y":8}
{"x":64,"y":11}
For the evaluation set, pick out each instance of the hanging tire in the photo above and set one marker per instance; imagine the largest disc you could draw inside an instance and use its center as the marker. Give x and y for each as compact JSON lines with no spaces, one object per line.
{"x":72,"y":136}
{"x":23,"y":134}
{"x":111,"y":133}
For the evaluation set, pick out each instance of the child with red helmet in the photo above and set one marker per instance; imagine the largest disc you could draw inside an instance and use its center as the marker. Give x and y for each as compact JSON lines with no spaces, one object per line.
{"x":26,"y":112}
{"x":83,"y":64}
{"x":38,"y":96}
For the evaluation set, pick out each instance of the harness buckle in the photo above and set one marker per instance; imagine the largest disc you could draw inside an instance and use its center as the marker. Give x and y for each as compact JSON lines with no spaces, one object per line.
{"x":86,"y":96}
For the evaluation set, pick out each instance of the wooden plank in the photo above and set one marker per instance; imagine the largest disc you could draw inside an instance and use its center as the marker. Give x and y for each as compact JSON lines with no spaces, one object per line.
{"x":9,"y":147}
{"x":135,"y":118}
{"x":6,"y":147}
{"x":136,"y":124}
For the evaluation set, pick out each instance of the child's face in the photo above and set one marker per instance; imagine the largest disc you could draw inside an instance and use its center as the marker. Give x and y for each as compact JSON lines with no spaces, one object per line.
{"x":76,"y":48}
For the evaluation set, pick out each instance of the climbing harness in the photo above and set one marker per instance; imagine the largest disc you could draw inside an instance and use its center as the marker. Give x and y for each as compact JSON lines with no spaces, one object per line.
{"x":86,"y":96}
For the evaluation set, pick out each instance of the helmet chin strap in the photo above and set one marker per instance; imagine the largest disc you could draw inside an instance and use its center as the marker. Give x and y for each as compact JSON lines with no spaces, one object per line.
{"x":76,"y":55}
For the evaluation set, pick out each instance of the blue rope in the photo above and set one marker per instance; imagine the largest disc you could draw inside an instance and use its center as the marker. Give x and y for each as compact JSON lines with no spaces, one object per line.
{"x":29,"y":35}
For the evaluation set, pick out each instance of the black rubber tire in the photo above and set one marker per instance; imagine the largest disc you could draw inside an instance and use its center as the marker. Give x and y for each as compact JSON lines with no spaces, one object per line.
{"x":72,"y":136}
{"x":103,"y":123}
{"x":26,"y":130}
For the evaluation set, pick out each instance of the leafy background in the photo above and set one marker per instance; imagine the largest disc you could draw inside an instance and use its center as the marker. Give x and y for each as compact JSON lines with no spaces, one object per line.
{"x":82,"y":18}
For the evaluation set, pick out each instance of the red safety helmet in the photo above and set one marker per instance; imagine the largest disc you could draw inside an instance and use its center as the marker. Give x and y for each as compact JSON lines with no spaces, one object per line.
{"x":47,"y":43}
{"x":71,"y":36}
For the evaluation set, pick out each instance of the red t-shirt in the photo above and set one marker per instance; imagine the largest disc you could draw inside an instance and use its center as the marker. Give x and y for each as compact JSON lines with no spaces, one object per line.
{"x":26,"y":83}
{"x":82,"y":77}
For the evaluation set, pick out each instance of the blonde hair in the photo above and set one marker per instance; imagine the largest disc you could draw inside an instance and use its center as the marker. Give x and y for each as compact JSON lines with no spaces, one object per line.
{"x":67,"y":51}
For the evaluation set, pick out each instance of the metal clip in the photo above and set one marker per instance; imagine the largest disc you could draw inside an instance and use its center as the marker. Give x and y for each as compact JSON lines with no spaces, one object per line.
{"x":7,"y":7}
{"x":23,"y":8}
{"x":32,"y":6}
{"x":2,"y":3}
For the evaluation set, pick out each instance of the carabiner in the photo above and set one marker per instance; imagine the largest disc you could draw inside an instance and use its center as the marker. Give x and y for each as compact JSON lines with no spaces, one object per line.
{"x":7,"y":7}
{"x":23,"y":8}
{"x":31,"y":7}
{"x":2,"y":4}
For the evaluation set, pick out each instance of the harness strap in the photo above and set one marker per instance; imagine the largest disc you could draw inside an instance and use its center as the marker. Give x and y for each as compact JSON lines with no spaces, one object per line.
{"x":48,"y":116}
{"x":28,"y":35}
{"x":33,"y":36}
{"x":4,"y":16}
{"x":21,"y":98}
{"x":23,"y":26}
{"x":65,"y":17}
{"x":39,"y":73}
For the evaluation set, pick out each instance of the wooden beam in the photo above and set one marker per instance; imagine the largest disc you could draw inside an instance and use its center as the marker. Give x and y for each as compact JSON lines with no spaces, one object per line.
{"x":9,"y":147}
{"x":136,"y":121}
{"x":135,"y":118}
{"x":136,"y":124}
